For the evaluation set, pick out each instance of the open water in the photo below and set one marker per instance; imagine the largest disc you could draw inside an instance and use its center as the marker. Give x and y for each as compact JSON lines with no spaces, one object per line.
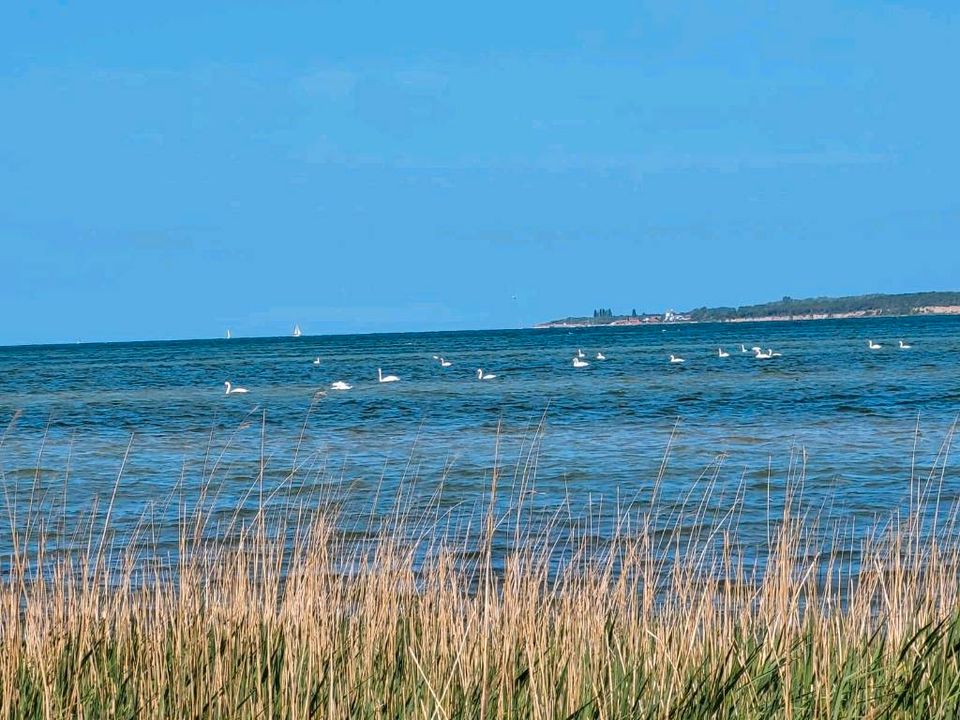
{"x":853,"y":424}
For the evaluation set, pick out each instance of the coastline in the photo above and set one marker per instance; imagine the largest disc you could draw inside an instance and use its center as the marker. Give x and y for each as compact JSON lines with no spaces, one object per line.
{"x":857,"y":314}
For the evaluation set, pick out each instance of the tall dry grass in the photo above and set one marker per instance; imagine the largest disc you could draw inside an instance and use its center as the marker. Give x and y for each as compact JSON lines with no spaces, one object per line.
{"x":669,"y":614}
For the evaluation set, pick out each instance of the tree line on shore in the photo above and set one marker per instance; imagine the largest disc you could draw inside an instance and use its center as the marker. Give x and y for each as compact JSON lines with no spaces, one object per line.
{"x":874,"y":304}
{"x":878,"y":304}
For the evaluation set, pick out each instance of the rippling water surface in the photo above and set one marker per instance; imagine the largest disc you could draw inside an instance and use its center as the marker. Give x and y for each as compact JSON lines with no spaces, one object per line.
{"x":846,"y":413}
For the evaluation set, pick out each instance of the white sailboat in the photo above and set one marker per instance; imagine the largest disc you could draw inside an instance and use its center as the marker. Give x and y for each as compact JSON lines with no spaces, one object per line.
{"x":229,"y":334}
{"x":296,"y":331}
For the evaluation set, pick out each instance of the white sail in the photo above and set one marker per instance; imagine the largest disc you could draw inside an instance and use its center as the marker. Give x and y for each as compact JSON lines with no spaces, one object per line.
{"x":296,"y":331}
{"x":229,"y":334}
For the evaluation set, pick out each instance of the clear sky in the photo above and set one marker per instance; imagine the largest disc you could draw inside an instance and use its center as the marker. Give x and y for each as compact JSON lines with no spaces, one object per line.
{"x":172,"y":169}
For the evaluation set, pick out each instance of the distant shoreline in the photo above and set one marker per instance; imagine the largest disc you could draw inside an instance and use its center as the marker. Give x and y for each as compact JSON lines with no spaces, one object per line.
{"x":922,"y":312}
{"x":786,"y":310}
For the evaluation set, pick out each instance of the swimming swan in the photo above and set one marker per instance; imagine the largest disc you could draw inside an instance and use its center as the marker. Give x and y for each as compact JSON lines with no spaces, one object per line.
{"x":873,"y":346}
{"x":481,"y":375}
{"x":340,"y":385}
{"x":760,"y":355}
{"x":742,"y":348}
{"x":386,"y":378}
{"x":578,"y":363}
{"x":444,"y":363}
{"x":317,"y":361}
{"x":231,"y":390}
{"x":721,"y":353}
{"x":905,"y":346}
{"x":580,"y":354}
{"x":676,"y":360}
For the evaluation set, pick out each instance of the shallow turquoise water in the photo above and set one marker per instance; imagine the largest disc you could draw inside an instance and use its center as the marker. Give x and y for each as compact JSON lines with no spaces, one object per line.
{"x":851,"y":412}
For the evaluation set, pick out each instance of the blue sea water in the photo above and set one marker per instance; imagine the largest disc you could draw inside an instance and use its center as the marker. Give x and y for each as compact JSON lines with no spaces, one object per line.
{"x":858,"y":422}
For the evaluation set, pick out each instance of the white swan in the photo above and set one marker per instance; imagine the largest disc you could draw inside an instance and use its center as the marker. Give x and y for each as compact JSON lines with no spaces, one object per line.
{"x":580,"y":354}
{"x":444,"y":363}
{"x":340,"y":385}
{"x":317,"y":361}
{"x":873,"y":346}
{"x":773,"y":353}
{"x":721,"y":353}
{"x":481,"y":375}
{"x":601,"y":356}
{"x":231,"y":390}
{"x":578,"y":363}
{"x":760,"y":355}
{"x":676,"y":360}
{"x":742,"y":348}
{"x":386,"y":378}
{"x":905,"y":346}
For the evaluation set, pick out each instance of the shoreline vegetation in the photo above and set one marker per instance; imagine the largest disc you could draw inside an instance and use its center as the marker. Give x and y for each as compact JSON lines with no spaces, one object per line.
{"x":272,"y":612}
{"x":787,"y":309}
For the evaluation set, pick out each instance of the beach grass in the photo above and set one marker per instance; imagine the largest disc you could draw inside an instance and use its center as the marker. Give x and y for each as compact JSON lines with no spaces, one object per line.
{"x":278,"y":613}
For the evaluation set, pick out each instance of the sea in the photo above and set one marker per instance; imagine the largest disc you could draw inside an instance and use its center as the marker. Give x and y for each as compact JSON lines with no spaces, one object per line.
{"x":137,"y":434}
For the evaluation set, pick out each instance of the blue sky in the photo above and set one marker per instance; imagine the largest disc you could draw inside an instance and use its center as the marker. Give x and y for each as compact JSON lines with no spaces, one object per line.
{"x":173,"y":170}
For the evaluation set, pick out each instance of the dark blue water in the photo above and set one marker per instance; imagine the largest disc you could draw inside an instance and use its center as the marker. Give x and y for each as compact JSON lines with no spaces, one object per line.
{"x":843,"y":414}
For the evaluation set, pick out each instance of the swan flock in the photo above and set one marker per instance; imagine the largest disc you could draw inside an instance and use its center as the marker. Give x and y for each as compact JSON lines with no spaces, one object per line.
{"x":579,"y":362}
